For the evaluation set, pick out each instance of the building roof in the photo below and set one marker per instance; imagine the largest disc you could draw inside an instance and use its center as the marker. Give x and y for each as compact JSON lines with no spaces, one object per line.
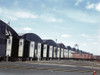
{"x":49,"y":42}
{"x":61,"y":45}
{"x":6,"y":29}
{"x":32,"y":37}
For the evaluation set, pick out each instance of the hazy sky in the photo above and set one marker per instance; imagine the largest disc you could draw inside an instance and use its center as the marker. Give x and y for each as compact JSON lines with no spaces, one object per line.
{"x":69,"y":21}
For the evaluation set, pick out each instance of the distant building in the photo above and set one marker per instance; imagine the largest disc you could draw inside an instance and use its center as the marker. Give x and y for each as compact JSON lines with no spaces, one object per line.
{"x":96,"y":57}
{"x":82,"y":55}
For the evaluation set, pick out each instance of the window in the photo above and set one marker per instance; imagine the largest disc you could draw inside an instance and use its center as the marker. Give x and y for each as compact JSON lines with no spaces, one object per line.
{"x":77,"y":54}
{"x":9,"y":41}
{"x":31,"y":45}
{"x":20,"y":43}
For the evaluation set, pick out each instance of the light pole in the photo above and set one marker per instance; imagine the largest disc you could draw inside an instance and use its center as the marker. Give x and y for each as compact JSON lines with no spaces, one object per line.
{"x":76,"y":46}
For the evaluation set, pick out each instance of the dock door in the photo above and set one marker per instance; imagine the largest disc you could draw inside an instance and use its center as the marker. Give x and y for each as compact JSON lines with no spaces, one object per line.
{"x":14,"y":53}
{"x":26,"y":50}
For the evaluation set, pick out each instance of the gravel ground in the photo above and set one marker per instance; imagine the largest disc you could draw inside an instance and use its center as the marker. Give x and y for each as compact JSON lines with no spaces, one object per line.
{"x":57,"y":66}
{"x":69,"y":62}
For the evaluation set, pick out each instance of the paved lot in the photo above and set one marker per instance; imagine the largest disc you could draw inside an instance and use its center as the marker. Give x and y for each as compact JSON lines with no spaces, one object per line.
{"x":23,"y":68}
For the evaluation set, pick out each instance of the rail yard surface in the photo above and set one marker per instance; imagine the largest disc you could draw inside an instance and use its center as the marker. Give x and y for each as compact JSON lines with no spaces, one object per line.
{"x":53,"y":67}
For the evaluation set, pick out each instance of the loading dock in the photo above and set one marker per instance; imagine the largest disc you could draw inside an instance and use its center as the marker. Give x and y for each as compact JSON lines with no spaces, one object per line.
{"x":50,"y":48}
{"x":9,"y":42}
{"x":32,"y":46}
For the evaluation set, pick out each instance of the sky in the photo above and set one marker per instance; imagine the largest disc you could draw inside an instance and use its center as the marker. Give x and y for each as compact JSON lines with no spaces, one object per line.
{"x":69,"y":21}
